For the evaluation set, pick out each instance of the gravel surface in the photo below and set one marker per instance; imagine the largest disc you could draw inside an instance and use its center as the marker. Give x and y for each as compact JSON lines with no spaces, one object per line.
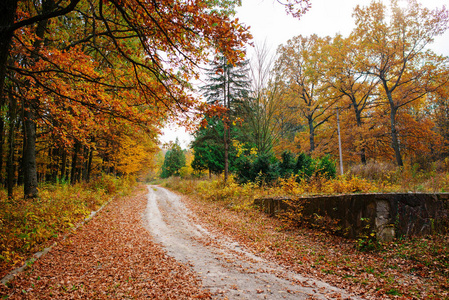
{"x":227,"y":269}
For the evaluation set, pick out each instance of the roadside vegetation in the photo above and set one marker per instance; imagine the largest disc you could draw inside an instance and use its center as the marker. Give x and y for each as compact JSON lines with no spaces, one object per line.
{"x":29,"y":225}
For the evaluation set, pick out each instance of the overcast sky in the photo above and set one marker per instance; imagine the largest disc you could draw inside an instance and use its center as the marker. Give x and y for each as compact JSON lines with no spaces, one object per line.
{"x":269,"y":23}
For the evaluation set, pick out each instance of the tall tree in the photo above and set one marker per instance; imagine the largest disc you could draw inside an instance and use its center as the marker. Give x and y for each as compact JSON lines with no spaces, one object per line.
{"x":71,"y":57}
{"x":261,"y":107}
{"x":208,"y":146}
{"x":104,"y":35}
{"x":354,"y":88}
{"x":440,"y":109}
{"x":394,"y":51}
{"x":299,"y":64}
{"x":227,"y":84}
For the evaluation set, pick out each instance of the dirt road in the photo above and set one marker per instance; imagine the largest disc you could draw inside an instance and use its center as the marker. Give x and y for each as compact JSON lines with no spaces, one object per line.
{"x":226,"y":269}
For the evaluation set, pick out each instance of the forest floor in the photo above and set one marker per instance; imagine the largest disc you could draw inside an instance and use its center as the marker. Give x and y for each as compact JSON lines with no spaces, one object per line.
{"x":113,"y":256}
{"x":152,"y":245}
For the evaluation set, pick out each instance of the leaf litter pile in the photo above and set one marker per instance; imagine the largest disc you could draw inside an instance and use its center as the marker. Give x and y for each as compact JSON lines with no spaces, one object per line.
{"x":111,"y":257}
{"x":405,"y":269}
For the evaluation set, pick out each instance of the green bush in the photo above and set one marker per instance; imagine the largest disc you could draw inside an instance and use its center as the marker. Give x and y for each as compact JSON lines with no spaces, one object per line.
{"x":287,"y":165}
{"x":266,"y":168}
{"x":326,"y":167}
{"x":243,"y":168}
{"x":305,"y":166}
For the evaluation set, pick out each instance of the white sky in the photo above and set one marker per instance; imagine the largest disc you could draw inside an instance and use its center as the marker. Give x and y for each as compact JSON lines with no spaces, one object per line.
{"x":269,"y":23}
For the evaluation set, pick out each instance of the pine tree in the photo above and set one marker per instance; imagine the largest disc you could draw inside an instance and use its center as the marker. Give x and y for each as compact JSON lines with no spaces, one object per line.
{"x":208,"y":147}
{"x":227,"y":84}
{"x":174,"y":160}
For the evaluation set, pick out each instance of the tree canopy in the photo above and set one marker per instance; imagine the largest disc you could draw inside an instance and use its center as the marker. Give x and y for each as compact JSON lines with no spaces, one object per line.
{"x":387,"y":86}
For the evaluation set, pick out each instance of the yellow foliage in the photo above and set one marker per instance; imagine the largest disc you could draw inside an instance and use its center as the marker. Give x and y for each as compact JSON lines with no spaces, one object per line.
{"x":344,"y":185}
{"x":187,"y":170}
{"x":134,"y":154}
{"x":253,"y":151}
{"x":240,"y":147}
{"x":290,"y":186}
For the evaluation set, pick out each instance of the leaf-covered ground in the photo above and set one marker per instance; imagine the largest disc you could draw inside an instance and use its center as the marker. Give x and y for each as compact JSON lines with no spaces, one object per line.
{"x":111,"y":257}
{"x":29,"y":225}
{"x":411,"y":269}
{"x":114,"y":257}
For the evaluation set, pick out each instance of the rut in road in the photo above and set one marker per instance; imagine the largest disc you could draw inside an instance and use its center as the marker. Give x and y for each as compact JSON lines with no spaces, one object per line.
{"x":226,"y":269}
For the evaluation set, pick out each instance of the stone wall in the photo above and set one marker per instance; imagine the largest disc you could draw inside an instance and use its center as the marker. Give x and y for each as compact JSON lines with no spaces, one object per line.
{"x":388,"y":215}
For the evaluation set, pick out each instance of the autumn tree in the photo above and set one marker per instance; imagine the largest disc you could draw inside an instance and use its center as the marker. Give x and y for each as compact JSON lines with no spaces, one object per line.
{"x":395,"y":53}
{"x":79,"y":59}
{"x":111,"y":33}
{"x":354,"y":88}
{"x":299,"y":64}
{"x":440,"y":113}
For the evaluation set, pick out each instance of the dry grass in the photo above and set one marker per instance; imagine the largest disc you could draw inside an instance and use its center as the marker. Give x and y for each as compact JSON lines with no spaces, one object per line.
{"x":386,"y":177}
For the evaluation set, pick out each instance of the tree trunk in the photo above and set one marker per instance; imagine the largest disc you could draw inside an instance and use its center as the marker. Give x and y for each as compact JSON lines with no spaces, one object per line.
{"x":73,"y":174}
{"x":63,"y":165}
{"x":29,"y":156}
{"x":12,"y":116}
{"x":7,"y":14}
{"x":48,"y":173}
{"x":226,"y":121}
{"x":226,"y":155}
{"x":20,"y":151}
{"x":105,"y":158}
{"x":358,"y":117}
{"x":394,"y":132}
{"x":311,"y":135}
{"x":394,"y":138}
{"x":55,"y":165}
{"x":29,"y":153}
{"x":89,"y":164}
{"x":2,"y":139}
{"x":86,"y":153}
{"x":363,"y":155}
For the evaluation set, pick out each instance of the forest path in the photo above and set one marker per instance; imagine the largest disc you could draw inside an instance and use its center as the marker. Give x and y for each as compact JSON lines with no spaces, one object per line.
{"x":226,"y":269}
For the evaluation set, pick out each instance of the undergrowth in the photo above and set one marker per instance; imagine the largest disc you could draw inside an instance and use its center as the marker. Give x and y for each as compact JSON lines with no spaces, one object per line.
{"x":26,"y":225}
{"x":374,"y":177}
